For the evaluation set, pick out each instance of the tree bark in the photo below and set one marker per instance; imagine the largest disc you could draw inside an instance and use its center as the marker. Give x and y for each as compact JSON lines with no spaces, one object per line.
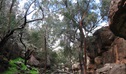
{"x":81,"y":63}
{"x":83,"y":42}
{"x":116,"y":53}
{"x":45,"y":54}
{"x":85,"y":58}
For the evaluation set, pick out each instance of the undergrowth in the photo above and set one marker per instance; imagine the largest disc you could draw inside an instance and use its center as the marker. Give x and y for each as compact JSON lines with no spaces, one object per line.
{"x":17,"y":66}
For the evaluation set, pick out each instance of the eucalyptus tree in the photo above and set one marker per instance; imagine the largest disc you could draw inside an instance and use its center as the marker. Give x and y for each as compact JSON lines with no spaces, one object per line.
{"x":47,"y":31}
{"x":70,"y":22}
{"x":14,"y":21}
{"x":80,"y":15}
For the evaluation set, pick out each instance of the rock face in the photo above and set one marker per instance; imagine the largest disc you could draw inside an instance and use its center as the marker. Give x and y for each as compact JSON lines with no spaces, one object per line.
{"x":112,"y":69}
{"x":33,"y":61}
{"x":38,"y":61}
{"x":104,"y":38}
{"x":11,"y":50}
{"x":117,"y":17}
{"x":4,"y":63}
{"x":108,"y":48}
{"x":100,"y":42}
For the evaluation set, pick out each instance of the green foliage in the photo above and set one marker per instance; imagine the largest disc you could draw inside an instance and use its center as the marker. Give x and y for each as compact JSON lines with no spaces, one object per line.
{"x":14,"y":65}
{"x":53,"y":28}
{"x":36,"y":38}
{"x":9,"y":18}
{"x":105,"y":4}
{"x":54,"y":58}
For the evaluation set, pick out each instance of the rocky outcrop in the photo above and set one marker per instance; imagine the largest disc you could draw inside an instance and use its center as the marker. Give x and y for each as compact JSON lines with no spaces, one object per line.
{"x":100,"y":42}
{"x":37,"y":60}
{"x":104,"y":38}
{"x":33,"y":61}
{"x":110,"y":47}
{"x":11,"y":50}
{"x":112,"y":69}
{"x":4,"y":63}
{"x":107,"y":48}
{"x":117,"y":17}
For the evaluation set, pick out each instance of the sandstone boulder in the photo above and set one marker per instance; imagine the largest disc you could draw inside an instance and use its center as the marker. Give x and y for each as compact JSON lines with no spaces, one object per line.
{"x":112,"y":69}
{"x":117,"y":17}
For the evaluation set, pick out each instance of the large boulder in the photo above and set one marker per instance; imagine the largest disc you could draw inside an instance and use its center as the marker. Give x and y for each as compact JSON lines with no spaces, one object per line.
{"x":37,"y":59}
{"x":12,"y":49}
{"x":108,"y":48}
{"x":108,"y":43}
{"x":112,"y":69}
{"x":117,"y":17}
{"x":33,"y":61}
{"x":4,"y":63}
{"x":104,"y":38}
{"x":117,"y":52}
{"x":100,"y":42}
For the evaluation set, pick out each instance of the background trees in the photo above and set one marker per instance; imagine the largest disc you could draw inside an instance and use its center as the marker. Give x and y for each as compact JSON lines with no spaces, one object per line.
{"x":53,"y":23}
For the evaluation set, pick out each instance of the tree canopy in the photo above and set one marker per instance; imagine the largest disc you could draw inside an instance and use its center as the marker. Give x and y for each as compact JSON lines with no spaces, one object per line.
{"x":61,"y":29}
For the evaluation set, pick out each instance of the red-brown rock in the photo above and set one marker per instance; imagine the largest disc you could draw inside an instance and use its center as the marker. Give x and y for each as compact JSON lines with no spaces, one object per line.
{"x":117,"y":17}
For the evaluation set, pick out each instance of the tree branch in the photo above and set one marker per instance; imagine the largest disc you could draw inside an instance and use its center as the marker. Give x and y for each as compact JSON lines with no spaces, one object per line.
{"x":10,"y":32}
{"x":1,"y":3}
{"x":10,"y":13}
{"x":85,"y":12}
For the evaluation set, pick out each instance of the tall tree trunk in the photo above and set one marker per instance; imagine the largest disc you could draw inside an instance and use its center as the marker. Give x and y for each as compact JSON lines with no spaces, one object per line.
{"x":85,"y":58}
{"x":26,"y":52}
{"x":70,"y":61}
{"x":83,"y":36}
{"x":45,"y":54}
{"x":83,"y":42}
{"x":81,"y":63}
